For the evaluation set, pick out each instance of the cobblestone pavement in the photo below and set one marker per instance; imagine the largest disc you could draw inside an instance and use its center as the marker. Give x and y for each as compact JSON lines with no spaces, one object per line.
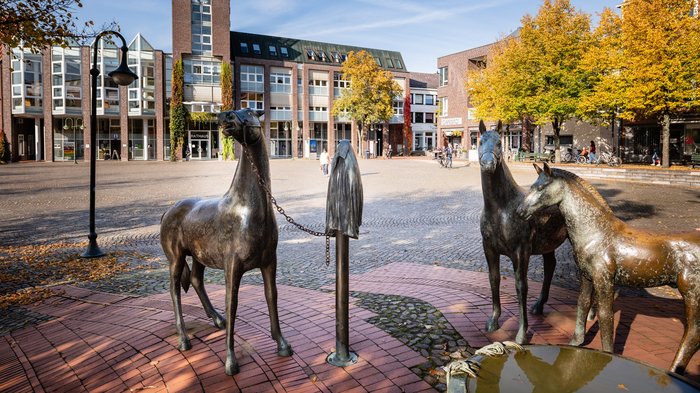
{"x":415,"y":212}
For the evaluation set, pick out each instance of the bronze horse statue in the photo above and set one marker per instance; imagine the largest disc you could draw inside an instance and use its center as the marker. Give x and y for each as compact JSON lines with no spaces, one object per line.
{"x":609,"y":252}
{"x":236,"y":233}
{"x":504,"y":232}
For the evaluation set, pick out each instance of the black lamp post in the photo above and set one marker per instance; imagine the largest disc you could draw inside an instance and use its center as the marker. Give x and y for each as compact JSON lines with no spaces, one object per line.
{"x":74,"y":124}
{"x":122,"y":76}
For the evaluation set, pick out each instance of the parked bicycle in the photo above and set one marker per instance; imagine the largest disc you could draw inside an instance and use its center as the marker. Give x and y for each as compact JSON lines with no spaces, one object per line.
{"x":442,"y":159}
{"x":603,"y":158}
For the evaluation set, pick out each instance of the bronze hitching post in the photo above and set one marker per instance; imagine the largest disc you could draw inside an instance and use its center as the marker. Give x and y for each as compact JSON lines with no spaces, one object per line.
{"x":343,"y":220}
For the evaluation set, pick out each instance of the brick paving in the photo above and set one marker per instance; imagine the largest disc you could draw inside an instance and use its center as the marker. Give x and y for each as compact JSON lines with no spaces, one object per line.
{"x":419,"y":240}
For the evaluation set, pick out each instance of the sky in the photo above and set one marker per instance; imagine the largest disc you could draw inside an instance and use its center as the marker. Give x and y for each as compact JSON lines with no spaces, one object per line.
{"x":421,"y":30}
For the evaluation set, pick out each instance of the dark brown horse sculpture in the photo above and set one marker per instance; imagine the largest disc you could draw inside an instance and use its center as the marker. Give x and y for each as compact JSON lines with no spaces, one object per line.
{"x":506,"y":233}
{"x":609,"y":252}
{"x":236,"y":233}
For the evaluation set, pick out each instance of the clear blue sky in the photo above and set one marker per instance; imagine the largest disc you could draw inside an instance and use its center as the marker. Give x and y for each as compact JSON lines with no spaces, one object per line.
{"x":421,"y":30}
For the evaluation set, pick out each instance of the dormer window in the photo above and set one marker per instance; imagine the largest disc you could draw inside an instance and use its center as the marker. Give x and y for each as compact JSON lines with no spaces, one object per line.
{"x":398,"y":63}
{"x":389,"y":63}
{"x":284,"y":51}
{"x":244,"y":48}
{"x":378,"y":60}
{"x":256,"y":49}
{"x":311,"y":55}
{"x":273,"y":50}
{"x":323,"y":55}
{"x":336,"y":57}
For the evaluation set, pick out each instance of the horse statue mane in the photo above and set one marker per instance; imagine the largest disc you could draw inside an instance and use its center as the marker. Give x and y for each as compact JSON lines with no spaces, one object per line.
{"x":561,"y":173}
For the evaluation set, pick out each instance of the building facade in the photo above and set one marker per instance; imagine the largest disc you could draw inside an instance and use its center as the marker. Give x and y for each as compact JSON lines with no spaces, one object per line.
{"x":45,"y":107}
{"x":424,"y":108}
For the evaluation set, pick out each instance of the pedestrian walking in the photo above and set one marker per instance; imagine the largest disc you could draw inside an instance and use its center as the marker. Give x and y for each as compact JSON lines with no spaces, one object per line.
{"x":324,"y":161}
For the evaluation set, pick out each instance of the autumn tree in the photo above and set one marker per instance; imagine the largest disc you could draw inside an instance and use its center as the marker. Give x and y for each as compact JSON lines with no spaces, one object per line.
{"x":661,"y":62}
{"x":178,"y":113}
{"x":603,"y":64}
{"x":226,"y":83}
{"x":369,"y":99}
{"x":407,"y":129}
{"x":36,"y":24}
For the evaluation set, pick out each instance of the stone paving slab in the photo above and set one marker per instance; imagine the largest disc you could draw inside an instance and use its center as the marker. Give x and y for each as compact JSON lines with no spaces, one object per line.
{"x":111,"y":342}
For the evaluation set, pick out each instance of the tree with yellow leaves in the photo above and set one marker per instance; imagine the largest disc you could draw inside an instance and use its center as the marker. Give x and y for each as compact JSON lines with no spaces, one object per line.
{"x":370,"y":97}
{"x":661,"y":62}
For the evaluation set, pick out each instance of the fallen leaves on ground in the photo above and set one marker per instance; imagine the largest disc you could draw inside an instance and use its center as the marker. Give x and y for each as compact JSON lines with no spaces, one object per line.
{"x":28,"y":272}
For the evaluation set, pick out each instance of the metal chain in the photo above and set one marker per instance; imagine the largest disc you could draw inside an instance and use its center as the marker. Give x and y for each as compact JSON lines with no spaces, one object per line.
{"x":281,"y":211}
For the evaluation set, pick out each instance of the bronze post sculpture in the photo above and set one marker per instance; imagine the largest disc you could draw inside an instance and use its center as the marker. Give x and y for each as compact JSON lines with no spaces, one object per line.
{"x":503,"y":232}
{"x":609,"y":252}
{"x":236,"y":233}
{"x":343,"y":218}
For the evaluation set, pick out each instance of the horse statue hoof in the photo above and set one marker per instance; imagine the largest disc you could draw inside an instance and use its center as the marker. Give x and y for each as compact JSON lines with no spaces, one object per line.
{"x":232,"y":368}
{"x":492,"y":325}
{"x":576,"y":341}
{"x":185,"y":345}
{"x":220,"y":322}
{"x":537,"y":309}
{"x":521,"y":338}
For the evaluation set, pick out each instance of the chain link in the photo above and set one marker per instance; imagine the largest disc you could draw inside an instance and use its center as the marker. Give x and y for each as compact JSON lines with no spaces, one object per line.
{"x":281,"y":211}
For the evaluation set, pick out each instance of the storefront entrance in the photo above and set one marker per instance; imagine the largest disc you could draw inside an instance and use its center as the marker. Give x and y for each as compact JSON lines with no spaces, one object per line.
{"x":199,"y":149}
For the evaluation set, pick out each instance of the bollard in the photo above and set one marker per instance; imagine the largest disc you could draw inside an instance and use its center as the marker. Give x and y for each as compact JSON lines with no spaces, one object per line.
{"x":343,"y":219}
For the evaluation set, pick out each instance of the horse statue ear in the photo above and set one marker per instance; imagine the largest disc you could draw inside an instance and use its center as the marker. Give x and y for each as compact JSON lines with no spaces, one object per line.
{"x":482,"y":127}
{"x":537,"y":168}
{"x":547,"y":169}
{"x":258,"y":112}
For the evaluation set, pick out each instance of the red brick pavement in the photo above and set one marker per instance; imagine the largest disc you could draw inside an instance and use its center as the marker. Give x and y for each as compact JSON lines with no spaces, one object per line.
{"x":106,"y":342}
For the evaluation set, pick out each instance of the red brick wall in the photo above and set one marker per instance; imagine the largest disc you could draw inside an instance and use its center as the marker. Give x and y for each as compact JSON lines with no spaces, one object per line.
{"x":221,"y":29}
{"x":182,"y":27}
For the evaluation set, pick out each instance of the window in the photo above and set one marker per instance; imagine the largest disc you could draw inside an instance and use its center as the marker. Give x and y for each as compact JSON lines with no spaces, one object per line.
{"x":418,"y":117}
{"x":284,"y":51}
{"x":398,"y":63}
{"x":318,"y":87}
{"x":563,"y":140}
{"x":429,"y":117}
{"x":429,"y":99}
{"x":201,"y":27}
{"x":66,"y":79}
{"x":418,"y":99}
{"x":201,"y":71}
{"x":280,"y":113}
{"x":26,"y":82}
{"x":256,"y":49}
{"x":273,"y":50}
{"x":323,"y":55}
{"x":280,"y":139}
{"x":445,"y":106}
{"x":398,"y":107}
{"x":336,"y":57}
{"x":443,"y":76}
{"x":318,"y":113}
{"x":252,"y":78}
{"x":252,"y":101}
{"x":244,"y":47}
{"x":281,"y":82}
{"x":339,"y":84}
{"x":311,"y":55}
{"x":389,"y":63}
{"x":342,"y":131}
{"x":378,"y":60}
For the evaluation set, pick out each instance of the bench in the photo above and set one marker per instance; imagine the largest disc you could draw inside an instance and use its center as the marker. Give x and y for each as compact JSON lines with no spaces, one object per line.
{"x":695,"y":160}
{"x":523,"y":156}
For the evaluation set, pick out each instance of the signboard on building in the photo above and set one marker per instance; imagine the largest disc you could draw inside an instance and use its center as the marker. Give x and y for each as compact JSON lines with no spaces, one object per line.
{"x":199,"y":135}
{"x":451,"y":121}
{"x":69,"y":150}
{"x":471,"y":114}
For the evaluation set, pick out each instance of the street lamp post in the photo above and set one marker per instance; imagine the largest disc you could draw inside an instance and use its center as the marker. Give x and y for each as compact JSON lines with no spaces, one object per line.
{"x":122,"y":76}
{"x":74,"y":124}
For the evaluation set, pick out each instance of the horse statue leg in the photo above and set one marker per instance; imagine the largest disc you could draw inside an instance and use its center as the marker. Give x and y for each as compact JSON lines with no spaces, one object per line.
{"x":494,"y":263}
{"x":550,"y":262}
{"x":520,"y":266}
{"x":234,"y":272}
{"x":197,"y":280}
{"x":691,"y":336}
{"x":582,"y":309}
{"x":269,"y":274}
{"x":605,"y":294}
{"x":177,"y":264}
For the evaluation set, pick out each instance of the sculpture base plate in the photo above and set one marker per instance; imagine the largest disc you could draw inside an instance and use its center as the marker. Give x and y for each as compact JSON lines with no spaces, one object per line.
{"x":336,"y":361}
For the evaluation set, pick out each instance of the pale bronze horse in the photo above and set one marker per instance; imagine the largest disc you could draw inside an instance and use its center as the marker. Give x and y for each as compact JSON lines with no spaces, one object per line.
{"x":504,"y":232}
{"x":236,"y":233}
{"x":610,"y":252}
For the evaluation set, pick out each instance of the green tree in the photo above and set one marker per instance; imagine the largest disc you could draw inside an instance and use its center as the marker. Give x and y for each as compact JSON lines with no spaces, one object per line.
{"x":602,"y":64}
{"x":36,"y":24}
{"x":3,"y":147}
{"x":369,"y":99}
{"x":227,"y":105}
{"x":661,"y":62}
{"x":178,"y":113}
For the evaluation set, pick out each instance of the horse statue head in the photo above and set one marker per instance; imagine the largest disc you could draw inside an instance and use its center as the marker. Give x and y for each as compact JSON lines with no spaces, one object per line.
{"x":243,"y":125}
{"x":545,"y":191}
{"x":490,"y":151}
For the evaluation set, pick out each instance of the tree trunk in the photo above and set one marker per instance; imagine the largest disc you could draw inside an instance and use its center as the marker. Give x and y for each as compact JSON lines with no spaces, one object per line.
{"x":556,"y":126}
{"x":666,"y":140}
{"x":360,"y":139}
{"x":527,"y":135}
{"x":506,"y":141}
